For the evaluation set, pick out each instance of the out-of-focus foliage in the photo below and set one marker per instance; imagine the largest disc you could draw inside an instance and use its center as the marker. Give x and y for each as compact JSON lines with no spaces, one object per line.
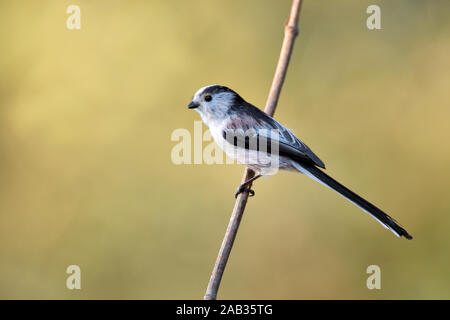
{"x":86,"y":175}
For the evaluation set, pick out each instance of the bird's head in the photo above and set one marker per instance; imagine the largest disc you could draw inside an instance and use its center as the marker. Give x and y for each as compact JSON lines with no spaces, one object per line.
{"x":214,"y":102}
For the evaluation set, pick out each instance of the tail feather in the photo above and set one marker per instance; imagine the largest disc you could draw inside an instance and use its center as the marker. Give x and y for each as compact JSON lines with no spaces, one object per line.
{"x":385,"y":220}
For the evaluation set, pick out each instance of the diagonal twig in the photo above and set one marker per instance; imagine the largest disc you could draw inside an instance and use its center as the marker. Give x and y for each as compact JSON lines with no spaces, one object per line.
{"x":290,"y":32}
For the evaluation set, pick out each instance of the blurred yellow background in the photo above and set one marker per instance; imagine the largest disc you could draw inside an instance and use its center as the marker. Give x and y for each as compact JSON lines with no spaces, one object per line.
{"x":85,"y":152}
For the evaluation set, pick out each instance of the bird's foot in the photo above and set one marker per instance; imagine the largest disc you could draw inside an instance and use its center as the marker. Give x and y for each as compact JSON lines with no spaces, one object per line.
{"x":243,"y":188}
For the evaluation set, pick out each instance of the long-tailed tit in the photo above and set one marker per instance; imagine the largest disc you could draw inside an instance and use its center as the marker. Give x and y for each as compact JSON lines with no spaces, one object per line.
{"x":235,"y":125}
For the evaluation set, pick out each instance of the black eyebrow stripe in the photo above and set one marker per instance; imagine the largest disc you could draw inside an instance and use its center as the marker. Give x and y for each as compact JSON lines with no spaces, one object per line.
{"x":217,"y":89}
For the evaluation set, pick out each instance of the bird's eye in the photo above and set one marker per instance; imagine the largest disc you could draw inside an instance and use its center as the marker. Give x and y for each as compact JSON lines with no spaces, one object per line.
{"x":208,"y":98}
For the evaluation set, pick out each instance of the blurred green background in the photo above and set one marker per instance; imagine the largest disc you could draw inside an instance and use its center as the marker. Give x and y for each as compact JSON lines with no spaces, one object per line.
{"x":85,"y":152}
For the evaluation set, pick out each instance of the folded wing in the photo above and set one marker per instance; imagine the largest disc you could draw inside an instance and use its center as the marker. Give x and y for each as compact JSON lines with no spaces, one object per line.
{"x":251,"y":130}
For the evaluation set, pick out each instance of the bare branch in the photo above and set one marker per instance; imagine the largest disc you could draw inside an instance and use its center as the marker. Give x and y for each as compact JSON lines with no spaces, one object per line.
{"x":290,"y":32}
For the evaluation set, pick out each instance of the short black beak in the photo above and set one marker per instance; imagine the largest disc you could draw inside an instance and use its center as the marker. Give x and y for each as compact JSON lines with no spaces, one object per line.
{"x":193,"y":105}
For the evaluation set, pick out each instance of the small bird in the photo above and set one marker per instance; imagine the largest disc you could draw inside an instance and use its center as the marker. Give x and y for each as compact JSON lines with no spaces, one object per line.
{"x":235,"y":125}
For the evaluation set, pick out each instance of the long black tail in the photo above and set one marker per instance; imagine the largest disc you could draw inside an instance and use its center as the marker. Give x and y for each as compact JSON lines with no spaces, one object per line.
{"x":379,"y":215}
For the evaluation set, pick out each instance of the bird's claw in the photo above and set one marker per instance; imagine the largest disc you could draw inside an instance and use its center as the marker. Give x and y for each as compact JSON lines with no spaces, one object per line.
{"x":242,"y":189}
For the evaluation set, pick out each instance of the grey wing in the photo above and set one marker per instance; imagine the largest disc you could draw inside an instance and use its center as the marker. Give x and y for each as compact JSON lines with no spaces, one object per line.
{"x":242,"y":128}
{"x":291,"y":146}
